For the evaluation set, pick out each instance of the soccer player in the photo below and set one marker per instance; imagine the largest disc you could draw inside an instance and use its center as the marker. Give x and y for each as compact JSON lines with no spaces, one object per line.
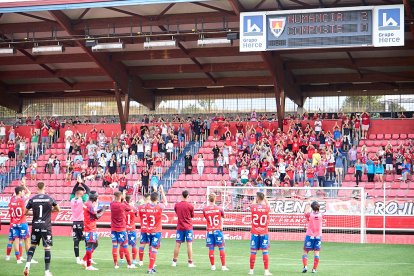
{"x":78,"y":197}
{"x":130,"y":230}
{"x":19,"y":229}
{"x":91,"y":215}
{"x":42,"y":206}
{"x":185,"y":213}
{"x":214,"y":216}
{"x":152,"y":219}
{"x":144,"y":236}
{"x":119,"y":207}
{"x":259,"y":233}
{"x":313,"y":236}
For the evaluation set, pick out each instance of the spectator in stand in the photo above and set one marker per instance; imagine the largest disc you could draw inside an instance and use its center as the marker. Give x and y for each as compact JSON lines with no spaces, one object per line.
{"x":22,"y":149}
{"x":399,"y":159}
{"x":145,"y":180}
{"x":233,"y":172}
{"x":91,"y":152}
{"x":169,"y":149}
{"x":44,"y":134}
{"x":357,"y":127}
{"x":3,"y":159}
{"x":321,"y":172}
{"x":133,"y":161}
{"x":12,"y":134}
{"x":3,"y":176}
{"x":123,"y":161}
{"x":107,"y":180}
{"x":352,"y":156}
{"x":154,"y":182}
{"x":365,"y":122}
{"x":102,"y":162}
{"x":358,"y":171}
{"x":34,"y":142}
{"x":38,"y":123}
{"x":318,"y":126}
{"x":346,"y":136}
{"x":216,"y":151}
{"x":220,"y":164}
{"x":2,"y":132}
{"x":310,"y":174}
{"x":389,"y":161}
{"x":405,"y":170}
{"x":56,"y":165}
{"x":244,"y":175}
{"x":11,"y":147}
{"x":379,"y":171}
{"x":200,"y":164}
{"x":122,"y":183}
{"x":33,"y":170}
{"x":188,"y":163}
{"x":22,"y":169}
{"x":339,"y":168}
{"x":370,"y":167}
{"x":112,"y":165}
{"x":77,"y":169}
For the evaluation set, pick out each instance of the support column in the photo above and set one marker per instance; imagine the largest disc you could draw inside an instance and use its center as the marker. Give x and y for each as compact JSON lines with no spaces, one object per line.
{"x":126,"y":108}
{"x":119,"y":105}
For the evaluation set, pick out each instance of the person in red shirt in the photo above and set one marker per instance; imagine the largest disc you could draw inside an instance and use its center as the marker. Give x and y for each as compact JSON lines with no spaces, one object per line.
{"x":152,"y":219}
{"x":259,"y":240}
{"x":19,"y":229}
{"x":44,"y":134}
{"x":365,"y":121}
{"x":214,"y":218}
{"x":11,"y":147}
{"x":185,"y":213}
{"x":91,"y":215}
{"x":119,"y":207}
{"x":130,"y":230}
{"x":144,"y":236}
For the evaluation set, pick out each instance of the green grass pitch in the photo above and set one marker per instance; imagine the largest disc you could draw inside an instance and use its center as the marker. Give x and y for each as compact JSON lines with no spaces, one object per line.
{"x":285,"y":259}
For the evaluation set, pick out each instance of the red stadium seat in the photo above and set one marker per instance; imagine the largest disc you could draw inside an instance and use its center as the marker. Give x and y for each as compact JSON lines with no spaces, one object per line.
{"x":372,"y":136}
{"x":410,"y":194}
{"x":387,"y":136}
{"x":395,"y":136}
{"x":380,"y":136}
{"x":403,"y":136}
{"x":401,"y":193}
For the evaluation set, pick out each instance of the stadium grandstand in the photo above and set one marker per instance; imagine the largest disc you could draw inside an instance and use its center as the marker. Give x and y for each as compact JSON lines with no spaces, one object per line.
{"x":312,"y":100}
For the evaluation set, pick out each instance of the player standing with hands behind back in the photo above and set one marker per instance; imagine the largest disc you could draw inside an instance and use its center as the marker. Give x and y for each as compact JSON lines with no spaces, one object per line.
{"x":214,"y":217}
{"x":260,"y":238}
{"x":185,"y":213}
{"x":42,"y":206}
{"x":313,"y":236}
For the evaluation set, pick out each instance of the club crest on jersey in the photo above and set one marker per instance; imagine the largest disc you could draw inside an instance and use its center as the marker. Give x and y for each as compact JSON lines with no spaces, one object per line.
{"x":277,"y":25}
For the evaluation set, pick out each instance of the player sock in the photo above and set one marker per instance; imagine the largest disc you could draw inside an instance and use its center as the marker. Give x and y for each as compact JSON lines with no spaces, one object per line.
{"x":222,"y":256}
{"x":266,"y":260}
{"x":30,"y":254}
{"x":17,"y":254}
{"x":190,"y":261}
{"x":48,"y":257}
{"x":134,"y":253}
{"x":174,"y":260}
{"x":115,"y":254}
{"x":9,"y":248}
{"x":76,"y":248}
{"x":121,"y":253}
{"x":141,"y":254}
{"x":305,"y":260}
{"x":153,"y":258}
{"x":211,"y":256}
{"x":127,"y":256}
{"x":88,"y":256}
{"x":252,"y":259}
{"x":315,"y":262}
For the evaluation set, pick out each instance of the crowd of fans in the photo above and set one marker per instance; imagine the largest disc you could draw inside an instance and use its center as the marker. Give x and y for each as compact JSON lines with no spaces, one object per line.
{"x":307,"y":155}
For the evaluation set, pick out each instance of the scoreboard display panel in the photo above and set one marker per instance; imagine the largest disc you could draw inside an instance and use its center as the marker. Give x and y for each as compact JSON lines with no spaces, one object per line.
{"x":364,"y":26}
{"x":319,"y":29}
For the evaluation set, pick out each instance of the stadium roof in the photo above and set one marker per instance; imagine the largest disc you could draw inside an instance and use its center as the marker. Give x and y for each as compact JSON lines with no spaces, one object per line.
{"x":143,"y":73}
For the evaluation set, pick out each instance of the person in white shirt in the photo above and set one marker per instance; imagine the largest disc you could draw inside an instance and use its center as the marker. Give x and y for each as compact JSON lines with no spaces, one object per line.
{"x":244,"y":175}
{"x":200,"y":164}
{"x":2,"y":132}
{"x":318,"y":126}
{"x":22,"y":149}
{"x":68,"y":133}
{"x":169,"y":148}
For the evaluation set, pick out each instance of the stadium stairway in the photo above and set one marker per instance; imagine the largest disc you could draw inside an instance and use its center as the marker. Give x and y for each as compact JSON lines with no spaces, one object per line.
{"x":177,"y":167}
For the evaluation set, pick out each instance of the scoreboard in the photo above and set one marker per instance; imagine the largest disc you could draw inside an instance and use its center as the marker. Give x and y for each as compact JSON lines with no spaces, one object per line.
{"x":364,"y":26}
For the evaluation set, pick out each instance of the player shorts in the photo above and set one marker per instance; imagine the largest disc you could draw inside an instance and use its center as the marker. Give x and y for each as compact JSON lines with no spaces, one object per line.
{"x":154,"y":239}
{"x":312,"y":243}
{"x":19,"y":231}
{"x":77,"y":231}
{"x":184,"y":235}
{"x":144,"y":239}
{"x":91,"y":237}
{"x":259,"y":242}
{"x":42,"y":234}
{"x":215,"y":238}
{"x":132,"y":238}
{"x":119,"y":237}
